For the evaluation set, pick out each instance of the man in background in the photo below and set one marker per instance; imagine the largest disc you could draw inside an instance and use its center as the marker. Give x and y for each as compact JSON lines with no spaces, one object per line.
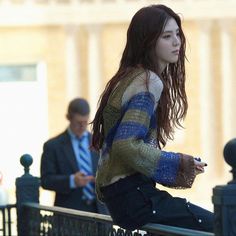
{"x":68,"y":166}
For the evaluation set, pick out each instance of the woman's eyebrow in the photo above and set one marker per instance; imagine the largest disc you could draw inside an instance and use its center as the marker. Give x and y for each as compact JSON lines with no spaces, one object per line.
{"x":170,"y":31}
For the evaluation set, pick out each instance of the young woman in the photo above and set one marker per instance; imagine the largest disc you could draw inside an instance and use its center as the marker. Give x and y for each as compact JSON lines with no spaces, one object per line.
{"x":139,"y":109}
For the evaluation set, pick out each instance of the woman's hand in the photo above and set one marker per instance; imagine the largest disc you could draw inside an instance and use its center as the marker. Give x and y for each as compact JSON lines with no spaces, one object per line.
{"x":199,"y":166}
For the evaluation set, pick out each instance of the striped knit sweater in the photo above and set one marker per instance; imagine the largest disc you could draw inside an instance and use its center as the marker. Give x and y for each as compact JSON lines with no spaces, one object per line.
{"x":130,"y":144}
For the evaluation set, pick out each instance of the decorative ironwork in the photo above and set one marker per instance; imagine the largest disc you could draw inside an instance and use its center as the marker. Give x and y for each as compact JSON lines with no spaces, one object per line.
{"x":6,"y":219}
{"x":57,"y":221}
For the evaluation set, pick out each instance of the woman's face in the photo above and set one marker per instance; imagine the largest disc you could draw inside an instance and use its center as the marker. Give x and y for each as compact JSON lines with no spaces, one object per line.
{"x":168,"y":45}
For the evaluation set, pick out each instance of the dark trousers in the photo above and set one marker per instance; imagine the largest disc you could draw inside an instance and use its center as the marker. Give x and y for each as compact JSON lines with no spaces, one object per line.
{"x":135,"y":201}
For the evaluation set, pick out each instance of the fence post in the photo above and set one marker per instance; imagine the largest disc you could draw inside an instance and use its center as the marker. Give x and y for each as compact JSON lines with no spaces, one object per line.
{"x":224,"y":197}
{"x":27,"y":190}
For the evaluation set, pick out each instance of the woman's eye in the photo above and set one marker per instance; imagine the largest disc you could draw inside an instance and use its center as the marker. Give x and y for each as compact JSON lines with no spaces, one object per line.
{"x":166,"y":36}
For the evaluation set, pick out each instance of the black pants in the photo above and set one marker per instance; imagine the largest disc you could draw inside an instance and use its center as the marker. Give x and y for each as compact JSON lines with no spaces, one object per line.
{"x":134,"y":201}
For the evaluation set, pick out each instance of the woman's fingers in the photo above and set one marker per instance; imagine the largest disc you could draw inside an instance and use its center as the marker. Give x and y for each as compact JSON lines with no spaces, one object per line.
{"x":199,"y":166}
{"x":200,"y":163}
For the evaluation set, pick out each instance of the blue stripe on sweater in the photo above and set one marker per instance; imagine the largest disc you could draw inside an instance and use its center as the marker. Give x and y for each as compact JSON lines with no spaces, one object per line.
{"x":130,"y":129}
{"x":143,"y":101}
{"x":167,"y":168}
{"x":153,"y":121}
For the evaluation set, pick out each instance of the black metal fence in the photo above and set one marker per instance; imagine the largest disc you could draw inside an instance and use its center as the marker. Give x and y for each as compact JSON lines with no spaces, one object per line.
{"x":6,"y":219}
{"x":56,"y":221}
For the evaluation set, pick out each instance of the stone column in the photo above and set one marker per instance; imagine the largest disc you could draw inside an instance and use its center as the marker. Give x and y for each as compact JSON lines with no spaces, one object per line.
{"x":94,"y":66}
{"x":228,"y":81}
{"x":72,"y":63}
{"x":206,"y":95}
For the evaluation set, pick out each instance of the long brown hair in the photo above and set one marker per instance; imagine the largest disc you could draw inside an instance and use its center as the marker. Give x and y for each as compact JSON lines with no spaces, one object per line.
{"x":144,"y":30}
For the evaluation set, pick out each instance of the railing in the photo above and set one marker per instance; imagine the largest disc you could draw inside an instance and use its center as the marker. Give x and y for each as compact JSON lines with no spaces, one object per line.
{"x":45,"y":221}
{"x":6,"y":219}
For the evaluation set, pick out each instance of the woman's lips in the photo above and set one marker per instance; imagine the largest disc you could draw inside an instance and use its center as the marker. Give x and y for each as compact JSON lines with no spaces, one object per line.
{"x":176,"y":52}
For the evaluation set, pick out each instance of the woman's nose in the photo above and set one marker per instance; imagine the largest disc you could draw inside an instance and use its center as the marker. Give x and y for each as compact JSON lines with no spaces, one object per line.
{"x":176,"y":41}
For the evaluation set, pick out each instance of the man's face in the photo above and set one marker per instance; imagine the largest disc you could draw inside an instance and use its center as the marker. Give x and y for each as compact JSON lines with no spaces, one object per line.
{"x":78,"y":124}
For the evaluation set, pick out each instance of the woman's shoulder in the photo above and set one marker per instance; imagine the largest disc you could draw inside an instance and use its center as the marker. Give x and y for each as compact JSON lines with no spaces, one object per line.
{"x":154,"y":78}
{"x":145,"y":81}
{"x":115,"y":99}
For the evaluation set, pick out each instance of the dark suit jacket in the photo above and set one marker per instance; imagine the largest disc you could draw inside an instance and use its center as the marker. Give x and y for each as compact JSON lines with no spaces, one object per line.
{"x":58,"y":162}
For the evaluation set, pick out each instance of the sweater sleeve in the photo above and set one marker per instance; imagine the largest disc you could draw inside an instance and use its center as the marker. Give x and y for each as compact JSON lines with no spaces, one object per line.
{"x":130,"y":141}
{"x":175,"y":170}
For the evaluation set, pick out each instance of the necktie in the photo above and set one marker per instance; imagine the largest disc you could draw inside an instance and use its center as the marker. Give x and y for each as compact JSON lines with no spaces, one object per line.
{"x":86,"y":168}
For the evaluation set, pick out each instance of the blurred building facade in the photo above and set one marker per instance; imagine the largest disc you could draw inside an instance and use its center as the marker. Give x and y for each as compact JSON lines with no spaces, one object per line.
{"x":54,"y":50}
